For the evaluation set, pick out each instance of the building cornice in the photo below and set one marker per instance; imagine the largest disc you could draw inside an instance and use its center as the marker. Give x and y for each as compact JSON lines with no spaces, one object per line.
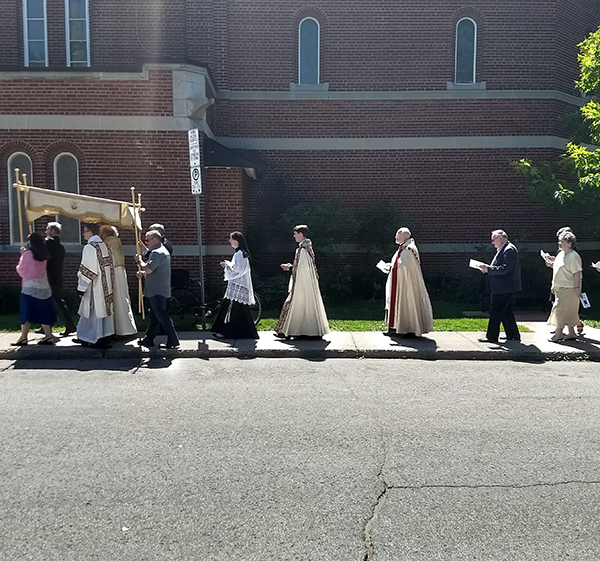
{"x":397,"y":143}
{"x":397,"y":95}
{"x":182,"y":124}
{"x":110,"y":75}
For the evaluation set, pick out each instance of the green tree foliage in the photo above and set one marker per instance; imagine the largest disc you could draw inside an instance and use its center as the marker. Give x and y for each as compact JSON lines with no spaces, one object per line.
{"x":574,"y":181}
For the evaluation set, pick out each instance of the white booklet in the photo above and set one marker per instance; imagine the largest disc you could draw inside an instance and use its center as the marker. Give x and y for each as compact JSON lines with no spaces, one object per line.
{"x":546,"y":256}
{"x":596,"y":265}
{"x":584,"y":300}
{"x":476,"y":264}
{"x":384,"y":267}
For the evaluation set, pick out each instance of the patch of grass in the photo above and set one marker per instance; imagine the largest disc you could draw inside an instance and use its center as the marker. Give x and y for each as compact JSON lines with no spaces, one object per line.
{"x":447,"y":317}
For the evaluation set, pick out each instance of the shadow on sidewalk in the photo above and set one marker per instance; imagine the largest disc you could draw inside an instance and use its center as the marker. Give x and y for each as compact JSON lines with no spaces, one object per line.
{"x":417,"y":343}
{"x":83,"y":364}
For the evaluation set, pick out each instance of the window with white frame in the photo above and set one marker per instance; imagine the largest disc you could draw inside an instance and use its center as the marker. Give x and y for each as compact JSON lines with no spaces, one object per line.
{"x":77,"y":32}
{"x":66,"y":179}
{"x":466,"y":51}
{"x":308,"y":52}
{"x":35,"y":33}
{"x":22,"y":162}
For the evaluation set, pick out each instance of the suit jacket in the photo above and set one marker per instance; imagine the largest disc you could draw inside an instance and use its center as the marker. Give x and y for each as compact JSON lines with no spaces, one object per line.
{"x":55,"y":263}
{"x":504,"y":273}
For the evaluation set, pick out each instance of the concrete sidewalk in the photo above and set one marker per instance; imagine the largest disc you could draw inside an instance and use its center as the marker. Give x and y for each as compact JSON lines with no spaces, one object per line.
{"x":437,"y":345}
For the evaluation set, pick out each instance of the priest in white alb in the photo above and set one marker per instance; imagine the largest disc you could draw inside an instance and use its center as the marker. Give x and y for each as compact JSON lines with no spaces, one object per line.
{"x":407,"y":306}
{"x":96,"y":286}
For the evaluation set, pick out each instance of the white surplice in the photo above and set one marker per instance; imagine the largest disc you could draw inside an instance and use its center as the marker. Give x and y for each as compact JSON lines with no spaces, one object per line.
{"x":239,"y":279}
{"x":407,"y":304}
{"x":303,"y":312}
{"x":96,"y":281}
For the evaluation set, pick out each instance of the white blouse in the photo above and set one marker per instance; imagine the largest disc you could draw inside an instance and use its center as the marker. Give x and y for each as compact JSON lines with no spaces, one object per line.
{"x":239,"y":280}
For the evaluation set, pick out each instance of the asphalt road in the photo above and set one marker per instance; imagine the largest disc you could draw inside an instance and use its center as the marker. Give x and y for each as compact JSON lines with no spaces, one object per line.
{"x":290,"y":459}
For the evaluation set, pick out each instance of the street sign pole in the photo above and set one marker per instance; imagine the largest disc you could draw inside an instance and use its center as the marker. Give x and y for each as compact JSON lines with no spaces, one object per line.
{"x":196,"y":179}
{"x":200,"y":256}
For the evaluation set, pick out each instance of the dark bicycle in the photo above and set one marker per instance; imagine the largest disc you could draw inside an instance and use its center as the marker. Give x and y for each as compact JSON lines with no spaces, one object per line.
{"x":185,"y":306}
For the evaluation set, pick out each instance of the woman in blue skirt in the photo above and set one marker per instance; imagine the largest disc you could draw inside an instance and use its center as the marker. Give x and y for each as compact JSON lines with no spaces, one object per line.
{"x":36,"y":305}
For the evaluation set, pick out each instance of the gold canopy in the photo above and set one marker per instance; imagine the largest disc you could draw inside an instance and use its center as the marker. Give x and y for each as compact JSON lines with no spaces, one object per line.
{"x":44,"y":202}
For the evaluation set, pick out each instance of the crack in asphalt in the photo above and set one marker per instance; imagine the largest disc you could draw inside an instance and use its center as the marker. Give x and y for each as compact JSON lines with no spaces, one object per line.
{"x":494,"y":486}
{"x":380,"y":501}
{"x":378,"y":506}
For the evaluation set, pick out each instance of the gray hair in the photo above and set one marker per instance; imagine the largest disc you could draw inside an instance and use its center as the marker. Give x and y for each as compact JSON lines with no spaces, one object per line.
{"x":154,"y":234}
{"x":562,"y":230}
{"x":500,"y":233}
{"x":159,"y":228}
{"x":56,"y":226}
{"x":405,"y":230}
{"x":568,"y":237}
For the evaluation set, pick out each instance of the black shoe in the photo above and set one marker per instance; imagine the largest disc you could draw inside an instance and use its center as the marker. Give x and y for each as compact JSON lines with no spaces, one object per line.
{"x":408,"y":335}
{"x":390,"y":333}
{"x":485,"y":340}
{"x":100,"y":345}
{"x":80,"y":342}
{"x":513,"y":339}
{"x":66,"y":332}
{"x":145,"y":343}
{"x":280,"y":336}
{"x":169,"y":345}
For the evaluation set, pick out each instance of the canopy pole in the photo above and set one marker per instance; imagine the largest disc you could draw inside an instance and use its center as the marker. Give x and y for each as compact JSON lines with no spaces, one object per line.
{"x":141,"y":295}
{"x":137,"y":249}
{"x":25,"y":184}
{"x":17,"y":186}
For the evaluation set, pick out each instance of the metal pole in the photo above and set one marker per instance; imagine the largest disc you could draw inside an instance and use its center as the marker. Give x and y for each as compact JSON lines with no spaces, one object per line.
{"x":202,"y":296}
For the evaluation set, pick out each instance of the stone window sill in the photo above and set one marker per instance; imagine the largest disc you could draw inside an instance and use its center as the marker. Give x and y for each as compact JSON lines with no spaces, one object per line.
{"x":309,"y":88}
{"x":467,"y":87}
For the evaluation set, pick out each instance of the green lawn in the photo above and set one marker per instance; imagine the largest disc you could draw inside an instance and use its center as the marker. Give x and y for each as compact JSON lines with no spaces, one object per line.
{"x":447,"y":317}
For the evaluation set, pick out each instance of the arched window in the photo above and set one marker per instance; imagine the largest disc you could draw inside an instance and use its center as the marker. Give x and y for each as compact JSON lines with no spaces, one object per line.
{"x":77,"y":32}
{"x":22,"y":162}
{"x":466,"y":51}
{"x":66,"y":178}
{"x":35,"y":33}
{"x":308,"y":52}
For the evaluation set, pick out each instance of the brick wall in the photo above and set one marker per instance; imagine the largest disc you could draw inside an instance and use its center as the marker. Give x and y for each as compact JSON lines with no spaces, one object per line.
{"x":364,"y":46}
{"x":447,"y":196}
{"x":404,"y":46}
{"x":322,"y":119}
{"x":152,"y":97}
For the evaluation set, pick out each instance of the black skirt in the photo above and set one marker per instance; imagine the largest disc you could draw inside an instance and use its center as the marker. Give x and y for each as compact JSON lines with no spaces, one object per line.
{"x":234,"y":321}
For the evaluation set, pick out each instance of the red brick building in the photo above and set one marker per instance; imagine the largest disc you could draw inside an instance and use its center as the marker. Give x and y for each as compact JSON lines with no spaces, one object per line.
{"x":423,"y":104}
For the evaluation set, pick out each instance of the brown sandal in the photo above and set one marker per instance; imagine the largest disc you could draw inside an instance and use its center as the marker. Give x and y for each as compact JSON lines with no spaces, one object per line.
{"x":20,"y":343}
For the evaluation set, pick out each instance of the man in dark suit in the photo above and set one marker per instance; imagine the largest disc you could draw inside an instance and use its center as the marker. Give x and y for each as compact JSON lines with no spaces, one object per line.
{"x":505,"y":279}
{"x":55,"y":275}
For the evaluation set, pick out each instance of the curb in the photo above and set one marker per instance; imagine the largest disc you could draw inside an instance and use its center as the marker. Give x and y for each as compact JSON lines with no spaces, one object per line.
{"x":80,"y":353}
